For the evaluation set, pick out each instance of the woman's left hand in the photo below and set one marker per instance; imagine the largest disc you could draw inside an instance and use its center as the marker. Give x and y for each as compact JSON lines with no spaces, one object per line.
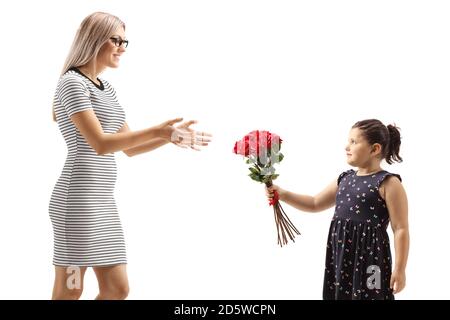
{"x":398,"y":281}
{"x":191,"y":138}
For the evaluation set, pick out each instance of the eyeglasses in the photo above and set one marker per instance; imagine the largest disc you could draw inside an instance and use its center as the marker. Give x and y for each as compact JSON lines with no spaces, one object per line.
{"x":118,"y":42}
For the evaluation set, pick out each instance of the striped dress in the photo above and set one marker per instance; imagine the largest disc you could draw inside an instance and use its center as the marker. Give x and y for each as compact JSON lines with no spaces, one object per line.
{"x":86,"y":225}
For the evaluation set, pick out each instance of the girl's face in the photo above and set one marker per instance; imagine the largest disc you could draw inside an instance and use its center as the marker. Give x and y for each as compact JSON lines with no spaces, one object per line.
{"x":109,"y":54}
{"x":359,"y":152}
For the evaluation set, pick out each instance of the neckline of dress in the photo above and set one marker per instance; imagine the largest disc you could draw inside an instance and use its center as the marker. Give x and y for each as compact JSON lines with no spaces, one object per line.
{"x":368,"y":175}
{"x":100,"y":87}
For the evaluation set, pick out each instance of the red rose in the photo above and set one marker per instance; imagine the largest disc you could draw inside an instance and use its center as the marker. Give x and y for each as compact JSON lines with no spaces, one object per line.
{"x":260,"y":142}
{"x":241,"y":147}
{"x":269,"y":139}
{"x":253,"y":141}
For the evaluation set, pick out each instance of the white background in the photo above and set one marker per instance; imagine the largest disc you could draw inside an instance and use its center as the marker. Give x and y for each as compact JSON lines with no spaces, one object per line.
{"x":196,"y":226}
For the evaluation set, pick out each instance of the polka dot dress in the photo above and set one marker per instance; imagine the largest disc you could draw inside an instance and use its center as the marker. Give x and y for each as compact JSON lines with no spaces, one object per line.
{"x":358,"y":258}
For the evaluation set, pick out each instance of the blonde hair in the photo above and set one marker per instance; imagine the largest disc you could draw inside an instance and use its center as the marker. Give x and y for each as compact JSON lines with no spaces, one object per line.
{"x":94,"y":31}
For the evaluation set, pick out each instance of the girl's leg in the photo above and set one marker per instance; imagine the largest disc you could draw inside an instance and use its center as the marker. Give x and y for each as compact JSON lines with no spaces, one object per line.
{"x":112,"y":282}
{"x":68,"y":283}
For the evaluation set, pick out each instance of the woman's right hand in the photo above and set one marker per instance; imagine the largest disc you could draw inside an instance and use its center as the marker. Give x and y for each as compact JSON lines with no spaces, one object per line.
{"x":192,"y":138}
{"x":182,"y":135}
{"x":270,"y":192}
{"x":167,"y":131}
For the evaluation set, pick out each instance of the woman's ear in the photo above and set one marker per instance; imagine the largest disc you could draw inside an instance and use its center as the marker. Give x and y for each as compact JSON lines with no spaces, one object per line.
{"x":376,"y":149}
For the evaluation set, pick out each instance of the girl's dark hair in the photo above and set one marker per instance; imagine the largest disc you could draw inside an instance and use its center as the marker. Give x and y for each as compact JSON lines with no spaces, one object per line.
{"x":374,"y":131}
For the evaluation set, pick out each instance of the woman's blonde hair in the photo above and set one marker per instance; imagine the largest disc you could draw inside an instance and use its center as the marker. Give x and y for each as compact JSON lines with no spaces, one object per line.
{"x":94,"y":31}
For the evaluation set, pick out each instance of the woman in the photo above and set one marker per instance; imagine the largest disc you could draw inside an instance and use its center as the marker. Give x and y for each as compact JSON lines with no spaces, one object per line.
{"x":86,"y":224}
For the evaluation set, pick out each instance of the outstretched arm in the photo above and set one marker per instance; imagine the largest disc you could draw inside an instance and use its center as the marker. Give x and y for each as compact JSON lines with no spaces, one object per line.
{"x":150,"y":145}
{"x":159,"y":142}
{"x":89,"y":126}
{"x":322,"y":201}
{"x":397,"y":205}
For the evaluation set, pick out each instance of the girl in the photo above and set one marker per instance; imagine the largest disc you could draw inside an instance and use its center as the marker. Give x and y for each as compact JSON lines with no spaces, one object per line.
{"x":86,"y":224}
{"x":358,"y":257}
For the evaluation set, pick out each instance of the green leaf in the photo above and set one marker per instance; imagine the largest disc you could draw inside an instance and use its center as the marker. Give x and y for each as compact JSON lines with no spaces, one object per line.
{"x":277,"y":158}
{"x":255,"y":177}
{"x":253,"y":170}
{"x":274,"y":176}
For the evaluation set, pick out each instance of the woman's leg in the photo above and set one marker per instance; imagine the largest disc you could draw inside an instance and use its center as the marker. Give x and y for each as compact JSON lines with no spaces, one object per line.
{"x":112,"y":282}
{"x":68,"y":283}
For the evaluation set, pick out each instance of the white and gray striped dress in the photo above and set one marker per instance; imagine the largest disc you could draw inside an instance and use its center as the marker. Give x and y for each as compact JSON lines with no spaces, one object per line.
{"x":86,"y":224}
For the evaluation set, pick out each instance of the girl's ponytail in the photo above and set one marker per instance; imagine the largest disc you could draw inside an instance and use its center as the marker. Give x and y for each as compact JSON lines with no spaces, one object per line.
{"x":393,"y":149}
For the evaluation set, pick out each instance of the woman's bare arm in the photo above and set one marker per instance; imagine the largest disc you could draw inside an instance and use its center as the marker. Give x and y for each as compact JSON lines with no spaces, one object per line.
{"x":145,"y":147}
{"x":89,"y":126}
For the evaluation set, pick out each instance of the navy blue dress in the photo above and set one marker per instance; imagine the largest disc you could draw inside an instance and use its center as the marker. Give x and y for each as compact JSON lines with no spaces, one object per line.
{"x":358,"y":260}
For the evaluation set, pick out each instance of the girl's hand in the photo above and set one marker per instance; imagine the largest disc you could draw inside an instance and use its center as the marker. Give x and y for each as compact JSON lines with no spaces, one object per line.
{"x":398,"y":281}
{"x":270,"y":192}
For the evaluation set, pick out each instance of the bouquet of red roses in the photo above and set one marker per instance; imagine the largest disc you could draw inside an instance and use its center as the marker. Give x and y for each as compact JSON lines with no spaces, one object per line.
{"x":262,"y":150}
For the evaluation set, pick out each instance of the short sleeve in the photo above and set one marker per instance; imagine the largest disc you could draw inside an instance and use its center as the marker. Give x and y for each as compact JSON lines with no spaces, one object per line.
{"x":74,"y":95}
{"x":385,"y":175}
{"x":344,"y":174}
